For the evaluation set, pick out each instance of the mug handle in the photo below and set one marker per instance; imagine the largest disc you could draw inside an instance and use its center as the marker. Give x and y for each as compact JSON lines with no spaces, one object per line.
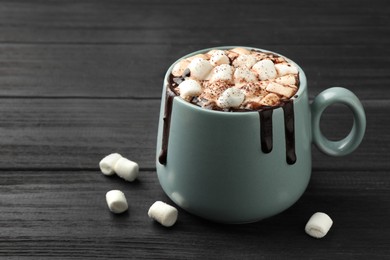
{"x":352,"y":140}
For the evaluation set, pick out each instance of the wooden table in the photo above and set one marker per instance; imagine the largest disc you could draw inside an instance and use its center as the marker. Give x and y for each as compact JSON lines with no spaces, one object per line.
{"x":82,"y":79}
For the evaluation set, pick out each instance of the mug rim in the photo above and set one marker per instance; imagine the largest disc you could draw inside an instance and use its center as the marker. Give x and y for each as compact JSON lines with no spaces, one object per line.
{"x":298,"y":95}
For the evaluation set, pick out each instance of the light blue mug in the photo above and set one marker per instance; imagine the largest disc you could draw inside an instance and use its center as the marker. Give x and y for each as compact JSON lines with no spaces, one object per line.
{"x":240,"y":167}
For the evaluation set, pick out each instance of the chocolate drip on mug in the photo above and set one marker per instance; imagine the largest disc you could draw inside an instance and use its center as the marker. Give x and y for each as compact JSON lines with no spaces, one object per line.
{"x":289,"y":131}
{"x":167,"y":124}
{"x":266,"y":137}
{"x":266,"y":130}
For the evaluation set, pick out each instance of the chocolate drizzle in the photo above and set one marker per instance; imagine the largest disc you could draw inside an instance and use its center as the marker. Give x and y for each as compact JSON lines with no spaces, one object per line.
{"x":170,"y":95}
{"x":289,"y":131}
{"x":167,"y":124}
{"x":266,"y":127}
{"x":266,"y":130}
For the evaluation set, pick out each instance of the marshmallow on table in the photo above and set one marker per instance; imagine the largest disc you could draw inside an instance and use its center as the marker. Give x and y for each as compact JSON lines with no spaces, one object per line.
{"x":318,"y":225}
{"x":107,"y":163}
{"x":265,"y":69}
{"x":232,"y":97}
{"x":116,"y":201}
{"x":126,"y":169}
{"x":163,"y":213}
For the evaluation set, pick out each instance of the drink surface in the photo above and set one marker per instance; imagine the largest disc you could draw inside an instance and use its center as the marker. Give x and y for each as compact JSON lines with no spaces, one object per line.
{"x":237,"y":79}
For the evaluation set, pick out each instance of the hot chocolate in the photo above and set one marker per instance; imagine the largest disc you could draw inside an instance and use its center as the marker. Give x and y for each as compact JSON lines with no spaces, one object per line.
{"x":237,"y":79}
{"x":240,"y":167}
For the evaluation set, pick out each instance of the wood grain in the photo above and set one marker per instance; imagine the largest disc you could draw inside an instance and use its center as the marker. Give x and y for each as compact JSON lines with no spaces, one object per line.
{"x":81,"y":79}
{"x":123,"y":48}
{"x":137,"y":71}
{"x":63,"y":214}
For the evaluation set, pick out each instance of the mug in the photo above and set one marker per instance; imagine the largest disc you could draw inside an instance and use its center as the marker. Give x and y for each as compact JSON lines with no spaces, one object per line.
{"x":241,"y":167}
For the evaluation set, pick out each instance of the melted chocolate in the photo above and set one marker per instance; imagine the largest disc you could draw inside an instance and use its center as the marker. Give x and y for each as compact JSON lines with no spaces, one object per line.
{"x":266,"y":127}
{"x":175,"y":81}
{"x":289,"y":131}
{"x":266,"y":130}
{"x":167,"y":124}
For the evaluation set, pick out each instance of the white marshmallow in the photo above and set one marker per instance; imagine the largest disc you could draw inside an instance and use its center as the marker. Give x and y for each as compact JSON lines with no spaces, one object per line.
{"x":222,"y":72}
{"x":286,"y":80}
{"x":126,"y":169}
{"x":244,"y":60}
{"x":107,"y":163}
{"x":270,"y":99}
{"x":240,"y":50}
{"x":180,"y":67}
{"x":284,"y":69}
{"x":116,"y":201}
{"x":190,"y":88}
{"x":280,"y":89}
{"x":200,"y":68}
{"x":244,"y":75}
{"x":265,"y":69}
{"x":232,"y":97}
{"x":318,"y":225}
{"x":163,"y":213}
{"x":197,"y":56}
{"x":219,"y":57}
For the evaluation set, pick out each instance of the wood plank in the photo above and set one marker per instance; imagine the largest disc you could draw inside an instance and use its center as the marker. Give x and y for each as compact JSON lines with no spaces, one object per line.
{"x":77,"y":133}
{"x":124,"y":71}
{"x":81,"y":79}
{"x":50,"y":215}
{"x":171,"y":22}
{"x":82,"y":70}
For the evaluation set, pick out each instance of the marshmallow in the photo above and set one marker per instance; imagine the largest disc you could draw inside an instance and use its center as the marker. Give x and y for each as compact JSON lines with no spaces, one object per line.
{"x":318,"y":225}
{"x":270,"y":99}
{"x":240,"y":50}
{"x":126,"y":169}
{"x":107,"y":163}
{"x":200,"y":68}
{"x":286,"y":80}
{"x":280,"y":89}
{"x":244,"y":60}
{"x":231,"y":97}
{"x":190,"y":88}
{"x":244,"y":75}
{"x":218,"y":58}
{"x":265,"y":69}
{"x":163,"y":213}
{"x":198,"y":56}
{"x":222,"y":72}
{"x":116,"y":201}
{"x":285,"y":68}
{"x":180,"y":67}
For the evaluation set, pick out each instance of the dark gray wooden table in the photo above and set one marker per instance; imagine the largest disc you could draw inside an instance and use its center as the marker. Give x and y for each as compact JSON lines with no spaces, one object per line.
{"x":82,"y":79}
